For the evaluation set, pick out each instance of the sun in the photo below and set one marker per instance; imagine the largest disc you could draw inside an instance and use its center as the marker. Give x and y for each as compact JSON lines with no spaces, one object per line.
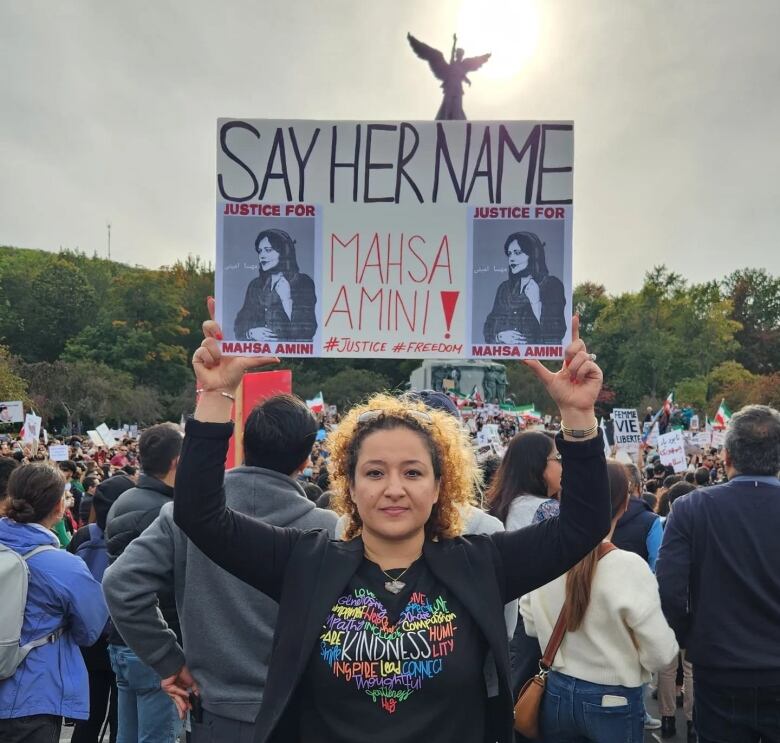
{"x":507,"y":28}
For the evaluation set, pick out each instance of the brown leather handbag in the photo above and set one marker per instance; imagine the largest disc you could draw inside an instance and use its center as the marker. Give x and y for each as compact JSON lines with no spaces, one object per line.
{"x":529,"y":700}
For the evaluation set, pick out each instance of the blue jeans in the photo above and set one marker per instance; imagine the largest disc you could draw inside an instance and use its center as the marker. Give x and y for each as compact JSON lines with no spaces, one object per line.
{"x":574,"y":711}
{"x":146,"y":713}
{"x":736,"y":714}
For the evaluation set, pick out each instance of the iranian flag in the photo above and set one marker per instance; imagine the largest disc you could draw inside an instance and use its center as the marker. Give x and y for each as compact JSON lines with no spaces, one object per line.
{"x":317,"y":405}
{"x":723,"y":416}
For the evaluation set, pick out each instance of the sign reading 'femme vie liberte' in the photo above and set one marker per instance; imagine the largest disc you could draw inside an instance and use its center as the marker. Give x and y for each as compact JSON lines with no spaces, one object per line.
{"x":406,"y":239}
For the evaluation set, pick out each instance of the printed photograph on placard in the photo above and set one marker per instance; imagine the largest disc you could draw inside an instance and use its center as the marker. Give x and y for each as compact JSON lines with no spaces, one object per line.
{"x":267,"y":289}
{"x":519,"y":287}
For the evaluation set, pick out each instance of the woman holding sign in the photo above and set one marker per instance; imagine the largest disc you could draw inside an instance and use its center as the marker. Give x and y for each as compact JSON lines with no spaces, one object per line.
{"x":279,"y":303}
{"x":529,"y":305}
{"x":397,"y":632}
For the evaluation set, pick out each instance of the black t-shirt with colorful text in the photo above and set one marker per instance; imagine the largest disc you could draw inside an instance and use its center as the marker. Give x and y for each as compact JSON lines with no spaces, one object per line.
{"x":395,"y":668}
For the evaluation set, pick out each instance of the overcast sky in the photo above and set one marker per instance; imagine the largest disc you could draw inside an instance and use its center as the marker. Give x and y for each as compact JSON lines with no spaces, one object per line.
{"x":109,"y":113}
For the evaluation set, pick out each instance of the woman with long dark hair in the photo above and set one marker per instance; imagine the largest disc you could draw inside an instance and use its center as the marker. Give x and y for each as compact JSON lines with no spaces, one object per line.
{"x":616,"y":636}
{"x":529,"y":306}
{"x":522,"y":493}
{"x":279,"y":303}
{"x":524,"y":488}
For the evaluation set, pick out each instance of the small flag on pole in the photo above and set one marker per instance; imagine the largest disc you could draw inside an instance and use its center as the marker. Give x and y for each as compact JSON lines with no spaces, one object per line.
{"x":723,"y":416}
{"x":317,"y":405}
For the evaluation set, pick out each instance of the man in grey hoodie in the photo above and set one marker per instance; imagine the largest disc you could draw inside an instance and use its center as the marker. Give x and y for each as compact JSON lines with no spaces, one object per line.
{"x":227,"y":627}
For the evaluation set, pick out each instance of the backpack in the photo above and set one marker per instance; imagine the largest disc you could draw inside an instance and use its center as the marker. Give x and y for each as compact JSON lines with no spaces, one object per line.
{"x":14,"y":578}
{"x":94,"y":552}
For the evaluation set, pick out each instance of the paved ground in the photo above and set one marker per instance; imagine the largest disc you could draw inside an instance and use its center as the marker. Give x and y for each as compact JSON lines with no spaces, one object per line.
{"x":650,"y":736}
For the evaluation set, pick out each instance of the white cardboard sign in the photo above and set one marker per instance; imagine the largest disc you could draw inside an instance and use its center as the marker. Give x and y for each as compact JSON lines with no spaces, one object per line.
{"x":394,"y":239}
{"x":671,"y":449}
{"x":626,"y":429}
{"x":32,"y":428}
{"x":58,"y":453}
{"x":11,"y":411}
{"x":95,"y":437}
{"x":105,"y":434}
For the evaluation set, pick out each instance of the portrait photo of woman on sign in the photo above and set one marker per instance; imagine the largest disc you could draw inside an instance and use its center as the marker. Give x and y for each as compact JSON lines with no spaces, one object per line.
{"x":529,"y":307}
{"x":279,"y":304}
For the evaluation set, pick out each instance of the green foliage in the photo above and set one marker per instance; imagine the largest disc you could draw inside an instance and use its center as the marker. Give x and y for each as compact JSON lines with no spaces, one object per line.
{"x":590,"y":300}
{"x":88,"y":392}
{"x":755,"y":297}
{"x":12,"y":385}
{"x":668,"y":331}
{"x":45,"y":299}
{"x":99,"y":340}
{"x":350,"y":386}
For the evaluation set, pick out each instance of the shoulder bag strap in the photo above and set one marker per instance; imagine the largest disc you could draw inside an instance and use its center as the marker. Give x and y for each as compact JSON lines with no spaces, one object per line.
{"x":37,"y":550}
{"x":556,"y":638}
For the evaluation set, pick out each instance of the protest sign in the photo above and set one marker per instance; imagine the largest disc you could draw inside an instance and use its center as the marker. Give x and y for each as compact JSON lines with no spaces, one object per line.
{"x":11,"y":411}
{"x":31,"y":429}
{"x":394,"y":239}
{"x":58,"y":453}
{"x":626,"y":429}
{"x":699,"y":439}
{"x":95,"y":437}
{"x":671,"y":449}
{"x":105,"y":434}
{"x":718,"y":439}
{"x":694,"y":424}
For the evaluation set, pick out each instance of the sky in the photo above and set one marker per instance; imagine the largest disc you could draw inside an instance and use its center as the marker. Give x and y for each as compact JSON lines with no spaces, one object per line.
{"x":109,"y":113}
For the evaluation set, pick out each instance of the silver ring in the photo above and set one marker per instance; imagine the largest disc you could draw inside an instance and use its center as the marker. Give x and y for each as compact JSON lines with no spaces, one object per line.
{"x":592,"y":356}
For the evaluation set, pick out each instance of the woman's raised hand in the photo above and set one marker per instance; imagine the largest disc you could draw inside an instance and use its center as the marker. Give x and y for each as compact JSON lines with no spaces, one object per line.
{"x":215,"y":372}
{"x":576,"y":385}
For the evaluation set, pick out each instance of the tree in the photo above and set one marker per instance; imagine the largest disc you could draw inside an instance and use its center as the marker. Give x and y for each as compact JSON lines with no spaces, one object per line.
{"x":755,"y":296}
{"x":12,"y":386}
{"x":195,"y":281}
{"x":668,"y":331}
{"x":46,"y":300}
{"x":590,"y":300}
{"x":139,"y":331}
{"x":351,"y":386}
{"x":86,"y":392}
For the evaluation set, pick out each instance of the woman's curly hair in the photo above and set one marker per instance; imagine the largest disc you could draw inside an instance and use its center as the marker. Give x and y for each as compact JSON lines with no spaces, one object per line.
{"x":454,"y":463}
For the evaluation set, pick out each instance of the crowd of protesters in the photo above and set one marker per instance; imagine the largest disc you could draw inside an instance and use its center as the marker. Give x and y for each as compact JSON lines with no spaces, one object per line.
{"x":257,"y":629}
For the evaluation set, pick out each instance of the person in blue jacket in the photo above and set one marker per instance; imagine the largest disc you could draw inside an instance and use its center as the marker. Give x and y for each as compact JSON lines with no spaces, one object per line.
{"x":51,"y":682}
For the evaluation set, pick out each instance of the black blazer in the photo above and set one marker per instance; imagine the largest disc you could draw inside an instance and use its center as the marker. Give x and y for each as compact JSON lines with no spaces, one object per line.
{"x":263,"y":308}
{"x":306,"y":571}
{"x":512,"y":311}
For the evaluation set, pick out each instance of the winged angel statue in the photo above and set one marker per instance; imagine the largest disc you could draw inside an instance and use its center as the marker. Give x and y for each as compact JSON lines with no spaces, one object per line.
{"x":452,"y":74}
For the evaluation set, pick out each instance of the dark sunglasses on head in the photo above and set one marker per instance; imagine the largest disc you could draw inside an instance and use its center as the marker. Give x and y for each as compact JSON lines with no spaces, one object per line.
{"x":418,"y":415}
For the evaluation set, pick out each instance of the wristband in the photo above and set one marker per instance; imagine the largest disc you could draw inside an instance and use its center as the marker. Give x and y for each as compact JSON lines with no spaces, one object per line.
{"x":580,"y":433}
{"x":224,"y":394}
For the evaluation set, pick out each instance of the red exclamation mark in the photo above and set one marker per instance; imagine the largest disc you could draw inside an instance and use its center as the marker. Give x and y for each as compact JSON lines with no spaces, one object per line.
{"x":448,"y":302}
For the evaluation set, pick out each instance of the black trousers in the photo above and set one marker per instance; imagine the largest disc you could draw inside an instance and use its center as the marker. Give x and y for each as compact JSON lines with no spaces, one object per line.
{"x":736,"y":714}
{"x":31,"y":729}
{"x":102,"y":696}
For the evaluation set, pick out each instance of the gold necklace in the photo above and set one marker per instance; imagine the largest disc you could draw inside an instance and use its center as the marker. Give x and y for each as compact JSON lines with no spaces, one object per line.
{"x":396,"y":585}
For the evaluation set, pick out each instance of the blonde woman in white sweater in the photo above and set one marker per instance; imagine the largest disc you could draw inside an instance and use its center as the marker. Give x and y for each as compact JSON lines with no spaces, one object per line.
{"x":616,"y":637}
